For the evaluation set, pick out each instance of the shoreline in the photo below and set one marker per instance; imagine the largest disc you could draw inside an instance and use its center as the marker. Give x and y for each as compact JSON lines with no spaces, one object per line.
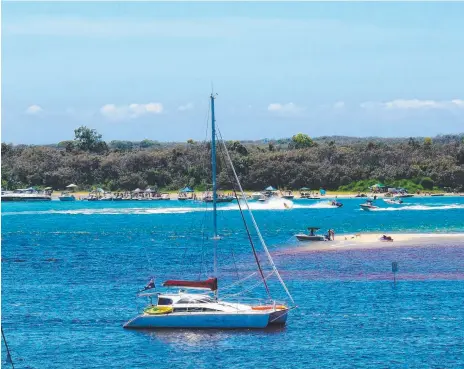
{"x":371,"y":240}
{"x":329,"y":195}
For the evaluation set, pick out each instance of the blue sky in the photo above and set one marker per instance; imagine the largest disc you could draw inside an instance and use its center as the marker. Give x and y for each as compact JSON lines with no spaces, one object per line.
{"x":144,"y":70}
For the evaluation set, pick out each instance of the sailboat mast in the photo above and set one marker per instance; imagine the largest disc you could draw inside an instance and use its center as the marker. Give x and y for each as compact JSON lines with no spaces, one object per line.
{"x":213,"y":165}
{"x":213,"y":162}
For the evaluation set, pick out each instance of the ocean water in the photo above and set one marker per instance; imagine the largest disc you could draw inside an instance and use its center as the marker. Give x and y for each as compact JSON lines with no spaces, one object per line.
{"x":70,"y":273}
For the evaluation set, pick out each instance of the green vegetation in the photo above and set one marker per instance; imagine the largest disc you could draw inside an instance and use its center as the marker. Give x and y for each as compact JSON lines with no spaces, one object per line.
{"x":343,"y":163}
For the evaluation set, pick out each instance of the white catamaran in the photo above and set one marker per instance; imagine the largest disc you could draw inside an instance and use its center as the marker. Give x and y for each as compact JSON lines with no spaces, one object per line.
{"x":186,"y":308}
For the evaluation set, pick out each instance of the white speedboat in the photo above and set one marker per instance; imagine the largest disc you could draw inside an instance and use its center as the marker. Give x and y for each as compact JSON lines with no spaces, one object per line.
{"x":27,"y":194}
{"x":256,"y":195}
{"x":66,"y":196}
{"x":288,"y":195}
{"x":368,"y":206}
{"x":312,"y":236}
{"x":207,"y":309}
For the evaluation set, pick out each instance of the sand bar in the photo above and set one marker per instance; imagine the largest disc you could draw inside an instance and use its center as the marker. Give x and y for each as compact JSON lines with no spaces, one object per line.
{"x":372,"y":241}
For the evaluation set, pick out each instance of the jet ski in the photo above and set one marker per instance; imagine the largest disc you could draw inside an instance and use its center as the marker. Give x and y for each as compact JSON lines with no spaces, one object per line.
{"x":336,"y":204}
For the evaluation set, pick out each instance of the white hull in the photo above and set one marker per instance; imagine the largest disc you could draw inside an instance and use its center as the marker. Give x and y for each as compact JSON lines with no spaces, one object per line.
{"x":208,"y":320}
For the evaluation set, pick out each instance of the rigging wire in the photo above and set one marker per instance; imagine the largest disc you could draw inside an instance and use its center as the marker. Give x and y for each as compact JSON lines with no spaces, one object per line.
{"x":255,"y":254}
{"x":8,"y":357}
{"x":263,"y":243}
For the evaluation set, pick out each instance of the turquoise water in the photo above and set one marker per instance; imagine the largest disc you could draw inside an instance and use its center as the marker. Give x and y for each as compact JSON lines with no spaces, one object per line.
{"x":70,"y":272}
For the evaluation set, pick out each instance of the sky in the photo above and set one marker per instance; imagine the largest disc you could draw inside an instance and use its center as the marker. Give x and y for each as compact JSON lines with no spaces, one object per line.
{"x":146,"y":70}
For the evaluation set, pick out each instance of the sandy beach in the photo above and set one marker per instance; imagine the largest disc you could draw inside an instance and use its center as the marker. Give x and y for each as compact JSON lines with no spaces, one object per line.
{"x":329,"y":195}
{"x":372,"y":241}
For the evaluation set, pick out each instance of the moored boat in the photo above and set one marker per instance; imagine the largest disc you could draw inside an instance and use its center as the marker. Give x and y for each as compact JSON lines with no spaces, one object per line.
{"x":312,"y":236}
{"x":66,"y":196}
{"x":206,"y":309}
{"x":27,"y":194}
{"x":287,"y":194}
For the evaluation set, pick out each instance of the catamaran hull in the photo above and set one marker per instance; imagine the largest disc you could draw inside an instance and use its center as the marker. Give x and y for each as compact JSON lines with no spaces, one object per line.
{"x":217,"y":321}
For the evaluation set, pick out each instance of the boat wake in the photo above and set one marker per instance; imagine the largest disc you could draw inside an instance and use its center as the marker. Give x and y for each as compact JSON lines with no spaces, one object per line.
{"x":271,"y":204}
{"x":421,"y":207}
{"x":317,"y":205}
{"x":278,"y":204}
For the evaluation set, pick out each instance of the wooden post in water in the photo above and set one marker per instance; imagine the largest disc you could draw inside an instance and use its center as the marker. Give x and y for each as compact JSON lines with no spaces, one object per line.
{"x":394,"y":270}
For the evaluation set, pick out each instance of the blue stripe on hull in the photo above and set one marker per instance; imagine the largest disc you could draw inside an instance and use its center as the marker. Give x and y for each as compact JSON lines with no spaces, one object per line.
{"x":224,"y":321}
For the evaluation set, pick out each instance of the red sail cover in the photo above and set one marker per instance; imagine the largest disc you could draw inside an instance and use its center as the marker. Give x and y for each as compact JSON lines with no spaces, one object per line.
{"x":209,"y":284}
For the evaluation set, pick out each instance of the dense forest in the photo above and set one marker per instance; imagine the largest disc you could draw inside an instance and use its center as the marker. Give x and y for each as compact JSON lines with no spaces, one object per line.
{"x":343,"y":163}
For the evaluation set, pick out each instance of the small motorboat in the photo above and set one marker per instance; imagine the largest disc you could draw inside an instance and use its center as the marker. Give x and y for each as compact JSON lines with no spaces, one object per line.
{"x":288,"y":195}
{"x":256,"y":195}
{"x":406,"y":195}
{"x":368,"y":206}
{"x":336,"y":204}
{"x":312,"y":236}
{"x":66,"y":196}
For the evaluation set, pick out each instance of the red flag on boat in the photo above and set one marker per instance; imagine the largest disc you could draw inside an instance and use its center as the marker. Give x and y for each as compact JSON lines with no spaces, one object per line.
{"x":150,"y":285}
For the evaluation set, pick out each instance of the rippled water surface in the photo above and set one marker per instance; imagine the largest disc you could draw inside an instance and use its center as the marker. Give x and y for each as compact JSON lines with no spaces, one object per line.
{"x":70,"y":272}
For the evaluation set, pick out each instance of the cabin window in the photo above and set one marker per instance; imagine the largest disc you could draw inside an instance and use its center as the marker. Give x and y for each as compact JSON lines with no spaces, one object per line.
{"x":180,"y":310}
{"x":195,"y":300}
{"x":164,"y":301}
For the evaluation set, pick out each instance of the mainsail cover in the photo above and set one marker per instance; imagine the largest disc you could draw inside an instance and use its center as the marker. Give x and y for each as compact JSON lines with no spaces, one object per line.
{"x":209,"y":284}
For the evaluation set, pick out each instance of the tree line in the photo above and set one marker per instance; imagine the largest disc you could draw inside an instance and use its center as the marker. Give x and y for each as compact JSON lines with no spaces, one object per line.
{"x":332,"y":163}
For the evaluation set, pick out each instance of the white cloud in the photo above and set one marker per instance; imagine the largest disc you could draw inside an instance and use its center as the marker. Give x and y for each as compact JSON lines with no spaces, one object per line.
{"x":339,"y":105}
{"x":289,"y":108}
{"x":188,"y":106}
{"x":34,"y":109}
{"x":132,"y":111}
{"x":414,"y":104}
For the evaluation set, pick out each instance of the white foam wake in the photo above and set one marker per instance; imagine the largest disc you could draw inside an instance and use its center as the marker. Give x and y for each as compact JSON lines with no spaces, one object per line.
{"x":421,"y":207}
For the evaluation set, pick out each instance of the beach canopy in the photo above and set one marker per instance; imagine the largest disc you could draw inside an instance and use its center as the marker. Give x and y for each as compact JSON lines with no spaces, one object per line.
{"x":72,"y":185}
{"x":379,"y":185}
{"x":187,"y":189}
{"x":48,"y":188}
{"x":137,"y":190}
{"x":148,"y":190}
{"x":100,"y":190}
{"x":322,"y":191}
{"x":305,"y":189}
{"x":270,"y":188}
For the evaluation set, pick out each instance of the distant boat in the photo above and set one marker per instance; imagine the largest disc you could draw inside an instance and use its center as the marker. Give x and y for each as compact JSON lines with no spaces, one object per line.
{"x":186,"y":194}
{"x":66,"y":196}
{"x":201,"y":310}
{"x":27,"y":194}
{"x":256,"y":195}
{"x":368,"y":206}
{"x":209,"y":197}
{"x":288,"y":195}
{"x":312,"y":236}
{"x":305,"y":193}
